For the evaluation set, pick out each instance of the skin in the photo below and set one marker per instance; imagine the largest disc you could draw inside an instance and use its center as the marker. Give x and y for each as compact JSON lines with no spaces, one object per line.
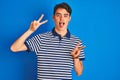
{"x":61,"y":19}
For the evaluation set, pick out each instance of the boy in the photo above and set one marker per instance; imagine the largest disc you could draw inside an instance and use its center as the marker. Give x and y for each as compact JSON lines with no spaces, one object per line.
{"x":58,"y":51}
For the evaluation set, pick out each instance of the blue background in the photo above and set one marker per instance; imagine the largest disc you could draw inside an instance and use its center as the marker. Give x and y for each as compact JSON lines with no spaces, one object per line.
{"x":96,"y":22}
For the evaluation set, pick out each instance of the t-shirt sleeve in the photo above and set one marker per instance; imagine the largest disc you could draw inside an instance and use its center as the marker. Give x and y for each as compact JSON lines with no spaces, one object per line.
{"x":82,"y":55}
{"x":33,"y":44}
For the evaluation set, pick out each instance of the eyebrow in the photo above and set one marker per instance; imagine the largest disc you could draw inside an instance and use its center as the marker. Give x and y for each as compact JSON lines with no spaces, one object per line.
{"x":64,"y":14}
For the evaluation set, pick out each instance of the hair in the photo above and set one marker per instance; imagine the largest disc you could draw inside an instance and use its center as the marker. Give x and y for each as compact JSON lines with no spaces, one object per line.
{"x":64,"y":6}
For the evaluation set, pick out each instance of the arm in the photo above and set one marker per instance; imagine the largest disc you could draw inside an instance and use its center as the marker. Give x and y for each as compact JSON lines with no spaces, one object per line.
{"x":78,"y":66}
{"x":19,"y":45}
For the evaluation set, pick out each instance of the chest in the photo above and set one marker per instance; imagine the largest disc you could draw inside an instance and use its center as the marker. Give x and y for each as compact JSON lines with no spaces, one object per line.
{"x":54,"y":44}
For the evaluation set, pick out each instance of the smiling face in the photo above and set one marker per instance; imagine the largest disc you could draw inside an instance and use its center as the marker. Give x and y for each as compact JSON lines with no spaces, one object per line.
{"x":61,"y":19}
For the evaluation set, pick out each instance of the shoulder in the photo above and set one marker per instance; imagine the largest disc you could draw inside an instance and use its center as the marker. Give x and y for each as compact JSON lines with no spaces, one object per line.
{"x":44,"y":35}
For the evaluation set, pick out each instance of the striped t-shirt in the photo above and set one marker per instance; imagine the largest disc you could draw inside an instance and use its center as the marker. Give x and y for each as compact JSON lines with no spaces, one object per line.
{"x":54,"y":61}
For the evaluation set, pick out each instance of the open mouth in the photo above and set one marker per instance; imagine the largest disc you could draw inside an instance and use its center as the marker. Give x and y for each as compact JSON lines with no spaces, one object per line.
{"x":61,"y":24}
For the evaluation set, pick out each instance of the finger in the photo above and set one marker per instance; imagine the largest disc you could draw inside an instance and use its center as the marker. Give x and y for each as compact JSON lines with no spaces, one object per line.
{"x":35,"y":23}
{"x":76,"y":48}
{"x":74,"y":51}
{"x":43,"y":22}
{"x":40,"y":17}
{"x":77,"y":54}
{"x":81,"y":47}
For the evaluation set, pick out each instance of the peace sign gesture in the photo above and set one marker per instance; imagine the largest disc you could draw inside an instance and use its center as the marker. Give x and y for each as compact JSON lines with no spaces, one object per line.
{"x":77,"y":50}
{"x":36,"y":23}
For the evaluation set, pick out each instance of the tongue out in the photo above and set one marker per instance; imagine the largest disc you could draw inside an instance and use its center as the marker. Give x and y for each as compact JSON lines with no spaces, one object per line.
{"x":61,"y":24}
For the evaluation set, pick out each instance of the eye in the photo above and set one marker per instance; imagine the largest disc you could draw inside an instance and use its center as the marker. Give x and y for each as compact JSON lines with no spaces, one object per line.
{"x":66,"y":15}
{"x":58,"y":15}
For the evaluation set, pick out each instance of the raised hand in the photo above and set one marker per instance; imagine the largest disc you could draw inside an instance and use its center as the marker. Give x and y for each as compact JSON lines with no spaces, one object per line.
{"x":76,"y":51}
{"x":36,"y":23}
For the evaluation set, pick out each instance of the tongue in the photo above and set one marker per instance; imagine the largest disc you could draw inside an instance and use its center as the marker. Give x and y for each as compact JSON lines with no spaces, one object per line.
{"x":61,"y":24}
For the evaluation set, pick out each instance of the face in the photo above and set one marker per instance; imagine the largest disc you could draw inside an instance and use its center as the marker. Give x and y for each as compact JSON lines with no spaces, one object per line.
{"x":61,"y":19}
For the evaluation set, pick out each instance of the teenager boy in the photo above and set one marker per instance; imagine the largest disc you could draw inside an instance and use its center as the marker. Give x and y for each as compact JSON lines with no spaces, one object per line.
{"x":58,"y":51}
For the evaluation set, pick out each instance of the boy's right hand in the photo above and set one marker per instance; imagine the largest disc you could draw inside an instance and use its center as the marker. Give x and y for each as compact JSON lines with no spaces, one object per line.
{"x":36,"y":23}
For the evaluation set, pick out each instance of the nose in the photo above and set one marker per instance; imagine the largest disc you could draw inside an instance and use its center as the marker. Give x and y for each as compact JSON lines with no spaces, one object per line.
{"x":61,"y":17}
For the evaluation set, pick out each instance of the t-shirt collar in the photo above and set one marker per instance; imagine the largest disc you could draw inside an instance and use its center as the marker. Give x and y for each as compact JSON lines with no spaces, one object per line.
{"x":56,"y":34}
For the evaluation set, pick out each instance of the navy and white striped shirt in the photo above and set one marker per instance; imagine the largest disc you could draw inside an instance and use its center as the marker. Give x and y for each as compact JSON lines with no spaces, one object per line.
{"x":53,"y":54}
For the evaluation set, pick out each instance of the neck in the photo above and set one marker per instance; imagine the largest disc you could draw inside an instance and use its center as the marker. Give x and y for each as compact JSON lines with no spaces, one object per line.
{"x":61,"y":32}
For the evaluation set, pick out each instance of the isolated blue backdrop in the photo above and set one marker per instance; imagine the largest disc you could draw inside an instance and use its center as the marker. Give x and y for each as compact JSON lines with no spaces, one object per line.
{"x":96,"y":22}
